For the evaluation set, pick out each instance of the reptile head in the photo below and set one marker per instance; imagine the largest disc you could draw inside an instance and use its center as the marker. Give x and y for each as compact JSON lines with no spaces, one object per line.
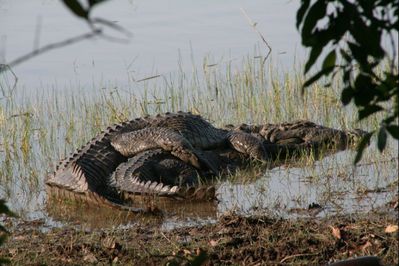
{"x":355,"y":136}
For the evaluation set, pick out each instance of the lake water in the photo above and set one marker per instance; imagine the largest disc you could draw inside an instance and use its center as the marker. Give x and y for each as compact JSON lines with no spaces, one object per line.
{"x":171,"y":38}
{"x":167,"y":35}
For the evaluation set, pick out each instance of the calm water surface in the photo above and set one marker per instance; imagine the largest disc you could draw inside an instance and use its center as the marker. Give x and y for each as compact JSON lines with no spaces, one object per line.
{"x":167,"y":35}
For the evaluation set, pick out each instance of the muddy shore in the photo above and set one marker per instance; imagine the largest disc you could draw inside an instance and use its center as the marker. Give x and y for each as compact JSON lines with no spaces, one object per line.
{"x":232,"y":240}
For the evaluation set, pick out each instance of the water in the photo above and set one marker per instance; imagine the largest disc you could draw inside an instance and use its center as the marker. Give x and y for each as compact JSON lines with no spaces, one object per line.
{"x":167,"y":35}
{"x":170,"y":38}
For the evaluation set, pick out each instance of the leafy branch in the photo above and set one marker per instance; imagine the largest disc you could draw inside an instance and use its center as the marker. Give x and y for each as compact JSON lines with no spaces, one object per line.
{"x":78,"y":10}
{"x":351,"y":33}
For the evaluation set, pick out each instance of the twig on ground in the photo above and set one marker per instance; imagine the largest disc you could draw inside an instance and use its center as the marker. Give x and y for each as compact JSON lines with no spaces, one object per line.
{"x":298,"y":255}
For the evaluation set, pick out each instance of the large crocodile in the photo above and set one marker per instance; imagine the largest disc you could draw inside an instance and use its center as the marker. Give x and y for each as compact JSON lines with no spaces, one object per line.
{"x":102,"y":172}
{"x":87,"y":172}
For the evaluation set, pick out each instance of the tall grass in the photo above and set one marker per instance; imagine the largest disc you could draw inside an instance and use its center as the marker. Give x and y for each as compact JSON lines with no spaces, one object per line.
{"x":39,"y":127}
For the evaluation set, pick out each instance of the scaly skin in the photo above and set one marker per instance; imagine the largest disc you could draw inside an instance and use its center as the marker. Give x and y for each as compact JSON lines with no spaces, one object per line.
{"x":300,"y":132}
{"x":159,"y":173}
{"x":131,"y":143}
{"x":88,"y":170}
{"x":183,"y":133}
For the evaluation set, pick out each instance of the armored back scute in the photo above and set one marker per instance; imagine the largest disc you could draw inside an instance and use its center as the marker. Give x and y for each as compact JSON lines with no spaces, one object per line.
{"x":90,"y":167}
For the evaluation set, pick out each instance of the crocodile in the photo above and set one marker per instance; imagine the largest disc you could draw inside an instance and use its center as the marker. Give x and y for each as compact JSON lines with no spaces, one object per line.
{"x":164,"y":155}
{"x":183,"y":134}
{"x":86,"y":173}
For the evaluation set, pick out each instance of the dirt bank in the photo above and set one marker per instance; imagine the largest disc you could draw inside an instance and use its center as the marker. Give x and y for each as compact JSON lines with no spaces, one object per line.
{"x":232,"y":240}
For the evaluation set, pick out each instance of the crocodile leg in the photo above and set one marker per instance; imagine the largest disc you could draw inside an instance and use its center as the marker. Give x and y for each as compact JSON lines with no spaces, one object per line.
{"x":247,"y":144}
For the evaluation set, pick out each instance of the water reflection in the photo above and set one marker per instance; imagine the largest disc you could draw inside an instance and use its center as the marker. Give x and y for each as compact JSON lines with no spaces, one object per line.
{"x":160,"y":212}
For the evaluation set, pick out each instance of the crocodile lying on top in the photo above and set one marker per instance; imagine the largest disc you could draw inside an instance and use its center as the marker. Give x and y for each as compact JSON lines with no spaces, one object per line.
{"x":183,"y":134}
{"x":167,"y":155}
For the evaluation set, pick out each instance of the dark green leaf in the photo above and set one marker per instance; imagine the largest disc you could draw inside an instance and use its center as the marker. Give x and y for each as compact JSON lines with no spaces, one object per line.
{"x":95,"y":2}
{"x":361,"y":146}
{"x":301,"y":12}
{"x":382,"y":139}
{"x":329,"y":61}
{"x":368,"y":37}
{"x":314,"y":54}
{"x":364,"y":90}
{"x":318,"y":75}
{"x":76,"y":8}
{"x":345,"y":55}
{"x":347,"y":95}
{"x":369,"y":110}
{"x":393,"y":130}
{"x":358,"y":54}
{"x":316,"y":12}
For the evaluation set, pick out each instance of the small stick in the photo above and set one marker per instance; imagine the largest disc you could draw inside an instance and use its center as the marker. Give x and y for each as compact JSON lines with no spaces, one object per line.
{"x":253,"y":25}
{"x":298,"y":255}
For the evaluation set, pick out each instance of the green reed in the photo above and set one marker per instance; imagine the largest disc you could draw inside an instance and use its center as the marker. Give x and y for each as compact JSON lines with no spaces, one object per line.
{"x":37,"y":128}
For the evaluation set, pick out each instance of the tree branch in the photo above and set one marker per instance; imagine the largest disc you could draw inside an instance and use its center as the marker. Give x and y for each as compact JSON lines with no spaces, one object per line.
{"x":49,"y":47}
